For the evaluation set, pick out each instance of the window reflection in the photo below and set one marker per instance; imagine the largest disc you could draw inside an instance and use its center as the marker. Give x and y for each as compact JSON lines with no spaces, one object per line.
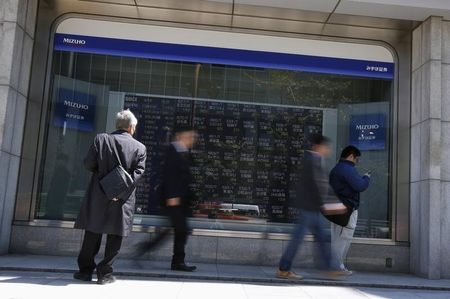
{"x":252,"y":125}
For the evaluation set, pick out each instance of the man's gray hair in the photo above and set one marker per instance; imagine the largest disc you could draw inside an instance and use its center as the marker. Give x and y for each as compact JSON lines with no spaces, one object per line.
{"x":125,"y":119}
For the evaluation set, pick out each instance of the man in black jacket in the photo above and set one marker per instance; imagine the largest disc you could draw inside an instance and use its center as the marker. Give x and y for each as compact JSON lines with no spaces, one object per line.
{"x":177,"y":193}
{"x":311,"y":188}
{"x":100,"y":215}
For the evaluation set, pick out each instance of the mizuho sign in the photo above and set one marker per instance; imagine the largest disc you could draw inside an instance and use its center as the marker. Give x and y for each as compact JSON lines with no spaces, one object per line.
{"x":368,"y":131}
{"x":367,"y":127}
{"x":75,"y":110}
{"x":76,"y":105}
{"x":74,"y":41}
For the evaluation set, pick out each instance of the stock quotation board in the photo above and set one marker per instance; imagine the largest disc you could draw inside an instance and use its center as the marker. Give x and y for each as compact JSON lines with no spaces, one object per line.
{"x":246,"y":159}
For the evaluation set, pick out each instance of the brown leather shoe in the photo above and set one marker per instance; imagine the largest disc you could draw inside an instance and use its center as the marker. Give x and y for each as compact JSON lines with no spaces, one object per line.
{"x":288,"y":275}
{"x":333,"y":275}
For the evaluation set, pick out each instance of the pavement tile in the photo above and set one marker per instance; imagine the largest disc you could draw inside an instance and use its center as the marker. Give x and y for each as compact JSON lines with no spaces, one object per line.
{"x":338,"y":292}
{"x":433,"y":294}
{"x":283,"y":291}
{"x":274,"y":296}
{"x":37,"y":285}
{"x":30,"y":278}
{"x":222,"y":272}
{"x":393,"y":294}
{"x":202,"y":290}
{"x":241,"y":271}
{"x":141,"y":266}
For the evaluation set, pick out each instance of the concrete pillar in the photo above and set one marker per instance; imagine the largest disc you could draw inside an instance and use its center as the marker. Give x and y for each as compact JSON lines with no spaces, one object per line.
{"x":445,"y":168}
{"x":17,"y":26}
{"x":430,"y":150}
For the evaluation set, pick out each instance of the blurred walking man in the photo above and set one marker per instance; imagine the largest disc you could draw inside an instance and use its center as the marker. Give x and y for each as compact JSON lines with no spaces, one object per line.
{"x":312,"y":187}
{"x":177,"y":193}
{"x":101,"y":215}
{"x":347,"y":184}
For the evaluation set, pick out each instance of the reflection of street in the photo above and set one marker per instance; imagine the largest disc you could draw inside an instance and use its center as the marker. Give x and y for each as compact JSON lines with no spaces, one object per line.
{"x":71,"y":204}
{"x":59,"y":185}
{"x":227,"y":211}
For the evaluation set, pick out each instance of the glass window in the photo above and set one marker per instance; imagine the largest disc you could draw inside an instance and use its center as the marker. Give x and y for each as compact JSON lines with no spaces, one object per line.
{"x":253,"y":125}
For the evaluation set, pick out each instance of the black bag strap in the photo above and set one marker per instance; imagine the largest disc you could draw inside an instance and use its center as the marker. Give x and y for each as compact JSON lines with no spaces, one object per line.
{"x":112,"y":142}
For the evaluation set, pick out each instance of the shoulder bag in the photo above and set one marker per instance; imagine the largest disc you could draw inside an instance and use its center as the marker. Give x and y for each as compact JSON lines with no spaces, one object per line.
{"x":116,"y":183}
{"x":341,"y":218}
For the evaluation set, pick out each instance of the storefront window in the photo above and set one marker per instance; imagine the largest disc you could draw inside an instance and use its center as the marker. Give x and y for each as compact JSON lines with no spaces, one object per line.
{"x":253,"y":124}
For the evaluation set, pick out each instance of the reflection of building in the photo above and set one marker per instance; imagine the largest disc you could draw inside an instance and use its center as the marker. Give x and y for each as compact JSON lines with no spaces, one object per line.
{"x":256,"y":80}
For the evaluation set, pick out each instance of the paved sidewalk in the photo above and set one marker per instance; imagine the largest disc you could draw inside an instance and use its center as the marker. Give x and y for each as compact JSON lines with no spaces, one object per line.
{"x":37,"y":285}
{"x":223,"y":273}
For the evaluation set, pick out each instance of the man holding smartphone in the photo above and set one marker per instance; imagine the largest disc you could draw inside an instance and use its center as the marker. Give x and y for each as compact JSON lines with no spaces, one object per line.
{"x":347,"y":183}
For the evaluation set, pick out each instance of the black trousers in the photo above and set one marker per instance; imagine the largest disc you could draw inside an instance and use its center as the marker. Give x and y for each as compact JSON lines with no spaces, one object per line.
{"x":91,"y":247}
{"x":178,"y":218}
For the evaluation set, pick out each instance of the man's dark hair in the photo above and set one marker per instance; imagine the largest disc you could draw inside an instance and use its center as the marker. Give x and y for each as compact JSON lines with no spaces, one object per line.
{"x":350,"y":150}
{"x":183,"y":128}
{"x":318,"y":139}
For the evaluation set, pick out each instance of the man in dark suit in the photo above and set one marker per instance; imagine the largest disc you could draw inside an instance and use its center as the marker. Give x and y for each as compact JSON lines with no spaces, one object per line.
{"x":100,"y":215}
{"x":311,"y":189}
{"x":177,"y":193}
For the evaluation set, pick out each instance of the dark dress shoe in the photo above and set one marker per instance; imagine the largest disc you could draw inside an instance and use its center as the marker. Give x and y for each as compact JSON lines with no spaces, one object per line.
{"x":183,"y":267}
{"x":106,"y":279}
{"x":82,"y":276}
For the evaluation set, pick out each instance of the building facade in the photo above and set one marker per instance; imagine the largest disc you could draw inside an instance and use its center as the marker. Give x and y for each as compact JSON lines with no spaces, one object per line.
{"x":256,"y":78}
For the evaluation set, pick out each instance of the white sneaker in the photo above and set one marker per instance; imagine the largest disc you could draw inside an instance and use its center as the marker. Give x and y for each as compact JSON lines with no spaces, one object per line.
{"x":346,"y":272}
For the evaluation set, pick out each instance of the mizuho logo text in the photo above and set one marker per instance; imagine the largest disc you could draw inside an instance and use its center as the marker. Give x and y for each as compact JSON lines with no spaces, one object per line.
{"x":74,"y":41}
{"x":367,"y":127}
{"x":76,"y":105}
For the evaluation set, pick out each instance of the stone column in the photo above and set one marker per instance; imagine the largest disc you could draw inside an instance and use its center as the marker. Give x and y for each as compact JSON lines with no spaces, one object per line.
{"x":17,"y":26}
{"x":430,"y":150}
{"x":445,"y":168}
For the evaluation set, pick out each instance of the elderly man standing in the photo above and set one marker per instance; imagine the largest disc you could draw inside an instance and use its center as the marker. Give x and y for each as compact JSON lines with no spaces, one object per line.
{"x":100,"y":214}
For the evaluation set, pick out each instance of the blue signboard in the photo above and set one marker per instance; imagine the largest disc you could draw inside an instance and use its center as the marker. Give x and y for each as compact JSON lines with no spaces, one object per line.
{"x":75,"y":110}
{"x":226,"y":56}
{"x":368,"y":131}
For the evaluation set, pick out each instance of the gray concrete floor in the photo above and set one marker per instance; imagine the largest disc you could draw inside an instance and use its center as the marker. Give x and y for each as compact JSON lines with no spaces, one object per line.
{"x":34,"y":285}
{"x":37,"y":276}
